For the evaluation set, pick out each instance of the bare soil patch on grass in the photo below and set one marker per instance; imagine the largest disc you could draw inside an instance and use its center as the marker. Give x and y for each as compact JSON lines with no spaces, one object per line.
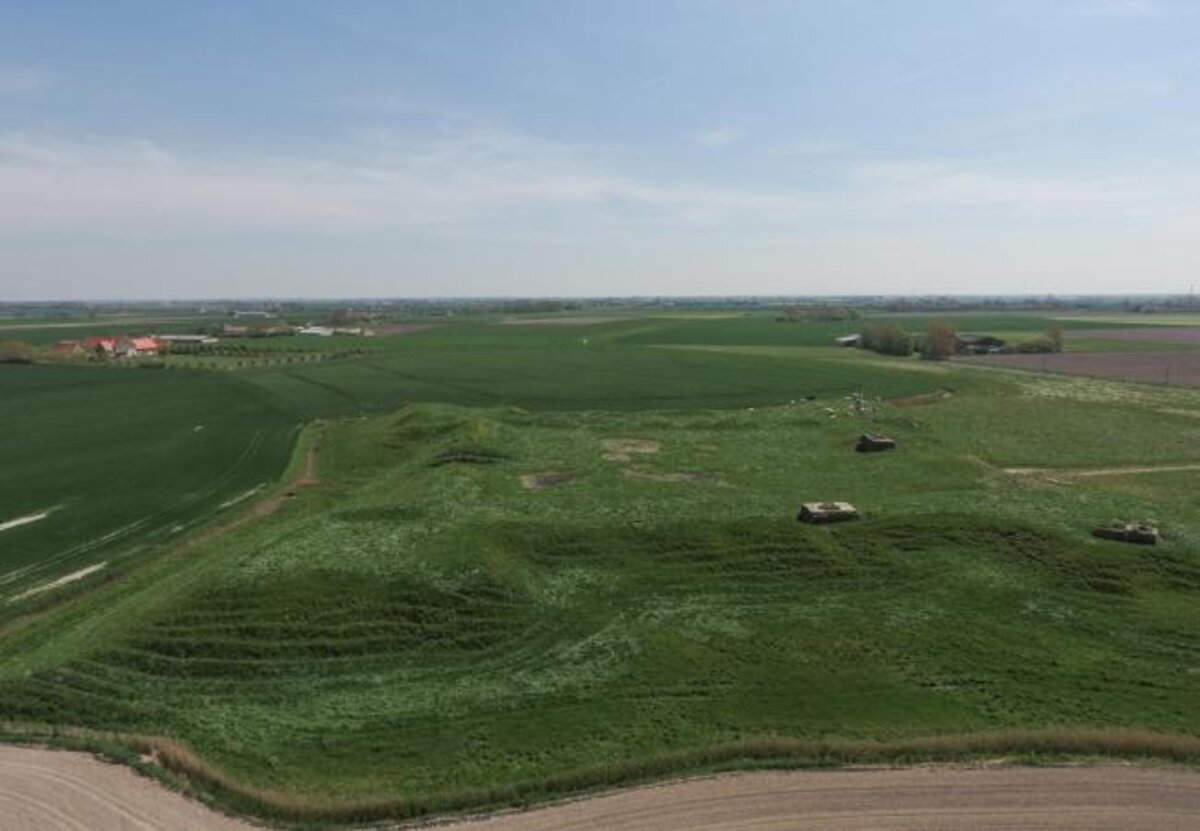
{"x":671,"y":476}
{"x":1059,"y":474}
{"x":548,"y":479}
{"x":61,"y":581}
{"x":28,"y":519}
{"x":623,"y":450}
{"x":923,"y":399}
{"x":1177,"y":368}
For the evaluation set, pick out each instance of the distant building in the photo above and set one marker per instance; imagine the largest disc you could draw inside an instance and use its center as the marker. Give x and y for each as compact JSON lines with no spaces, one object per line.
{"x":252,"y":313}
{"x":192,"y":339}
{"x":229,"y":330}
{"x":974,"y":344}
{"x":849,"y":340}
{"x":102,"y":346}
{"x":68,"y":348}
{"x":318,"y":331}
{"x":146,"y":346}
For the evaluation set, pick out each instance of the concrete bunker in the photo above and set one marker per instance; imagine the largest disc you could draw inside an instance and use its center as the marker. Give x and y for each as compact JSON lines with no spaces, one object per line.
{"x":874,"y":443}
{"x":1139,"y":533}
{"x":821,"y":513}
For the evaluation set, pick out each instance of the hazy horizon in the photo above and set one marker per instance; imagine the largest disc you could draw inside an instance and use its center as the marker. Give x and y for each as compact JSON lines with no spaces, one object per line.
{"x":368,"y":149}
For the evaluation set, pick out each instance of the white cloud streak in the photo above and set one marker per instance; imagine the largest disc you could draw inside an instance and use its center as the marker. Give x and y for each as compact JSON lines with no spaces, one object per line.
{"x":475,"y":183}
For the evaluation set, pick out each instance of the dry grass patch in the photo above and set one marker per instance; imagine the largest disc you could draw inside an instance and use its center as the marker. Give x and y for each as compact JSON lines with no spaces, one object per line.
{"x":922,"y":400}
{"x":623,"y":450}
{"x":547,"y":479}
{"x":673,"y":476}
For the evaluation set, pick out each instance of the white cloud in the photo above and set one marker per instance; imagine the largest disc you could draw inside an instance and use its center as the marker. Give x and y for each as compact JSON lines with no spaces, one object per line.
{"x":718,"y":136}
{"x":19,"y":81}
{"x":481,"y":210}
{"x":915,"y":184}
{"x":452,"y":180}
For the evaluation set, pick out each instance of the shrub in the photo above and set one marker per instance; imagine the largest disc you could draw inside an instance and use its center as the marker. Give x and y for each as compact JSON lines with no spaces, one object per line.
{"x":1055,"y":335}
{"x":940,"y":341}
{"x":1037,"y":346}
{"x":15,"y":352}
{"x":887,"y":339}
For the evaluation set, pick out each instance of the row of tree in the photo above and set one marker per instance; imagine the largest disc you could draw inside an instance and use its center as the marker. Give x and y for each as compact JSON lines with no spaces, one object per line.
{"x":938,"y":341}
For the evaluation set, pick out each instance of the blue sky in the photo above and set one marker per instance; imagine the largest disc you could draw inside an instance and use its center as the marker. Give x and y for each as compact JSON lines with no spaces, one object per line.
{"x":596,"y":148}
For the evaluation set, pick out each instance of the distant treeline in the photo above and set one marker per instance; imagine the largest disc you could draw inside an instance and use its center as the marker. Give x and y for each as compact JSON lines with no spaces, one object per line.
{"x":377,"y":309}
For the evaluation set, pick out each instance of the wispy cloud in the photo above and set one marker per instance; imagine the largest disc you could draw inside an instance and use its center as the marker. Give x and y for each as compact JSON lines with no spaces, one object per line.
{"x":20,"y":81}
{"x":452,"y":179}
{"x":718,"y":136}
{"x":811,"y":147}
{"x":477,"y":181}
{"x":1120,"y":8}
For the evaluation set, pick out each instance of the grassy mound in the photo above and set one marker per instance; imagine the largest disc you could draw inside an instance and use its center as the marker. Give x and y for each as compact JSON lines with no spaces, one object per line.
{"x":408,"y":637}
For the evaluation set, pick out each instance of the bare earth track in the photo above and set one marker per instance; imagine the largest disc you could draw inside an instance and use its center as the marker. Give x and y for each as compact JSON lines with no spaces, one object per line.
{"x":51,"y":790}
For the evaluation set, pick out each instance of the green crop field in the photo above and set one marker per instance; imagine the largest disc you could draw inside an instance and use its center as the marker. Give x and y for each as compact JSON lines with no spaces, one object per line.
{"x":534,"y":565}
{"x":121,"y":460}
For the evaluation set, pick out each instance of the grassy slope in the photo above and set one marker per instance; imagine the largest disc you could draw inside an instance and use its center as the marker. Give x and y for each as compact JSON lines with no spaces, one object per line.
{"x":414,"y":630}
{"x":118,"y":447}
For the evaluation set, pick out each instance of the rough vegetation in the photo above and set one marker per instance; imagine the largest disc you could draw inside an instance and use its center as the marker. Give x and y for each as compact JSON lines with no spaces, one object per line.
{"x":424,"y":632}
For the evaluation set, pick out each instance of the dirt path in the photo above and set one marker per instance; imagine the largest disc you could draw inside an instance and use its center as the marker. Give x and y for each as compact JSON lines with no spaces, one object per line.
{"x":1084,"y":472}
{"x":51,"y":790}
{"x":263,"y":507}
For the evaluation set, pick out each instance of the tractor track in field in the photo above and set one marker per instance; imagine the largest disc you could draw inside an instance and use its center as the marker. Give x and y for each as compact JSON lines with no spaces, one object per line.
{"x":48,"y":790}
{"x":259,"y":510}
{"x":264,"y":507}
{"x":1088,"y":472}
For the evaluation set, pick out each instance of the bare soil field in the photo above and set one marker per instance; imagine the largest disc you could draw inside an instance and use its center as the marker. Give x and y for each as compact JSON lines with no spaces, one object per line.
{"x":1162,"y":334}
{"x":1108,"y":797}
{"x":51,"y":790}
{"x":55,"y":790}
{"x":1178,"y":368}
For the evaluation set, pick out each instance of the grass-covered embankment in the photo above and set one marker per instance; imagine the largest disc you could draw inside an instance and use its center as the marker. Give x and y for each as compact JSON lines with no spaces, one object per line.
{"x":424,"y":633}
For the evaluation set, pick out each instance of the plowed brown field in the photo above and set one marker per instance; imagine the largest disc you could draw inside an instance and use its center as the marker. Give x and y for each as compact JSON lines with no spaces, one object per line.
{"x":1178,"y":368}
{"x":49,"y":790}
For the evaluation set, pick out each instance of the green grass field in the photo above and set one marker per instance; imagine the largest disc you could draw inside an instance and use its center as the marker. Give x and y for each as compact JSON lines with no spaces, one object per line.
{"x":532,"y":565}
{"x":123,"y":460}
